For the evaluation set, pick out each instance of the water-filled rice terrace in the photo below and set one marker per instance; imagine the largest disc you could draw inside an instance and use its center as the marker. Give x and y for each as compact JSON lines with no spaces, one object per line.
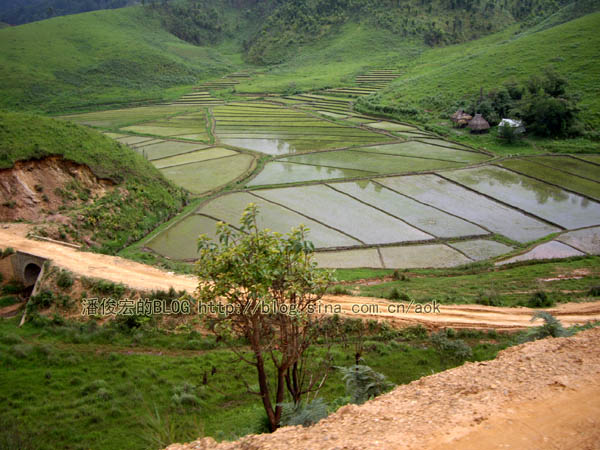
{"x":374,"y":193}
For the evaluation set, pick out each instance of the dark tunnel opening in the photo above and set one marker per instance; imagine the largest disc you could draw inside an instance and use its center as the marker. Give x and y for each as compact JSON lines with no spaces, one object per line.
{"x":30,"y":274}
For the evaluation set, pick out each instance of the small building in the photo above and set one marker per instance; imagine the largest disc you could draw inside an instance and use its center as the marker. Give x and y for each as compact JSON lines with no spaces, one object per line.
{"x":478,"y":124}
{"x":517,"y":125}
{"x":460,"y":118}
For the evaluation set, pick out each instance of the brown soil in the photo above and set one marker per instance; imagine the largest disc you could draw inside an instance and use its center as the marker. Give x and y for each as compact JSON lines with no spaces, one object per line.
{"x":540,"y":395}
{"x":145,"y":278}
{"x":41,"y":191}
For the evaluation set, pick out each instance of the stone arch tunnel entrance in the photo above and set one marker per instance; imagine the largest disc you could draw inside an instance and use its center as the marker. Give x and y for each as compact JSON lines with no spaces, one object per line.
{"x":30,"y":274}
{"x":27,"y":267}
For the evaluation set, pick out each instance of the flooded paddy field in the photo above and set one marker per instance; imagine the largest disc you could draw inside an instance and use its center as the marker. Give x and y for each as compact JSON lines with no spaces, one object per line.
{"x":374,"y":193}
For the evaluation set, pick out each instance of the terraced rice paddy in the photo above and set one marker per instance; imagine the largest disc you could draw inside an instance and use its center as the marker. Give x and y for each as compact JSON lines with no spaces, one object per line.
{"x":481,"y":249}
{"x":341,"y":212}
{"x":459,"y":201}
{"x":553,"y":204}
{"x":197,"y":98}
{"x":549,"y":250}
{"x":369,"y":82}
{"x":275,"y":217}
{"x":178,"y":240}
{"x":586,"y":240}
{"x":554,"y":176}
{"x":370,"y":161}
{"x":277,"y":172}
{"x":192,"y":126}
{"x":423,"y":217}
{"x":205,"y":176}
{"x":191,"y":157}
{"x":117,"y":118}
{"x":273,"y":130}
{"x":373,"y":193}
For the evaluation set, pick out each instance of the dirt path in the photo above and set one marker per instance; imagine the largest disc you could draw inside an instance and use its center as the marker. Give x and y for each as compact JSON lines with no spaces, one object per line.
{"x":143,"y":277}
{"x":540,"y":395}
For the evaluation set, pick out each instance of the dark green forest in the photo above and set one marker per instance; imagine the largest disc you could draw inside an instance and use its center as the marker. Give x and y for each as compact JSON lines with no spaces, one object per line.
{"x":283,"y":25}
{"x":26,"y":11}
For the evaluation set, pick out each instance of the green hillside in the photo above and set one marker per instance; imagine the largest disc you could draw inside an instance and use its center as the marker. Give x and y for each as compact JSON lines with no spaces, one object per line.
{"x":102,"y":57}
{"x":143,"y":200}
{"x":441,"y":79}
{"x":156,"y":51}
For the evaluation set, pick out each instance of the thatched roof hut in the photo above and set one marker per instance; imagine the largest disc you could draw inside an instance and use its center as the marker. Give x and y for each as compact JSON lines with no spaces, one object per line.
{"x":456,"y":116}
{"x":460,"y":118}
{"x":478,"y":124}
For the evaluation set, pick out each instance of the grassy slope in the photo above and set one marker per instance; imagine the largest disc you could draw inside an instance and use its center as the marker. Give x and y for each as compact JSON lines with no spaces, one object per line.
{"x":102,"y":57}
{"x":441,"y":77}
{"x":124,"y":216}
{"x":513,"y":286}
{"x":51,"y":385}
{"x":349,"y":51}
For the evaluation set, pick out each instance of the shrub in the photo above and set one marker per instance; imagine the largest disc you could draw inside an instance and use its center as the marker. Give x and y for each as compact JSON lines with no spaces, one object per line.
{"x":395,"y":294}
{"x":94,"y":386}
{"x":64,"y":279}
{"x":414,"y":333}
{"x":21,"y":350}
{"x":594,"y":291}
{"x":540,"y":300}
{"x":8,"y":300}
{"x":43,"y":300}
{"x":303,"y":413}
{"x":456,"y":351}
{"x":13,"y":287}
{"x":7,"y":252}
{"x":184,"y":395}
{"x":11,"y":339}
{"x":363,"y":383}
{"x":339,"y":290}
{"x":489,"y":297}
{"x":103,"y":394}
{"x":551,"y":328}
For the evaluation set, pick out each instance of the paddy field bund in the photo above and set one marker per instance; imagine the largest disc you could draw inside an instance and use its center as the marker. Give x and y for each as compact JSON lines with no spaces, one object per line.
{"x":374,"y":193}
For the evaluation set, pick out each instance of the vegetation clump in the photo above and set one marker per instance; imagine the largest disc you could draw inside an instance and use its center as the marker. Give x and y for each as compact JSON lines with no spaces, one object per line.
{"x":542,"y":103}
{"x":363,"y":383}
{"x":270,"y":286}
{"x":452,"y":350}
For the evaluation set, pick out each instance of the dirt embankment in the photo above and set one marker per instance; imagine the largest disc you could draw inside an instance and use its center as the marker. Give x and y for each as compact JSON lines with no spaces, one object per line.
{"x":146,"y":278}
{"x":540,"y":395}
{"x":43,"y":191}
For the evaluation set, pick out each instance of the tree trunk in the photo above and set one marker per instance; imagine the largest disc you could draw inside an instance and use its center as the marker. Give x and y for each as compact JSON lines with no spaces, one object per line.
{"x":264,"y":392}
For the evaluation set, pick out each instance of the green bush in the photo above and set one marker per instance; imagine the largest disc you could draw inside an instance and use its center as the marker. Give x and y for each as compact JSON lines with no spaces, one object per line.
{"x":363,"y":383}
{"x":12,"y":287}
{"x":395,"y":294}
{"x":339,"y":290}
{"x":540,"y":299}
{"x":303,"y":413}
{"x":489,"y":297}
{"x":43,"y":300}
{"x":64,"y":279}
{"x":455,"y":351}
{"x":8,"y":300}
{"x":551,"y":328}
{"x":594,"y":291}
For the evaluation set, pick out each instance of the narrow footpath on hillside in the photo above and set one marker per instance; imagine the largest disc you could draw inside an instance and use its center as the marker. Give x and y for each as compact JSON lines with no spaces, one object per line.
{"x":540,"y":395}
{"x":144,"y":277}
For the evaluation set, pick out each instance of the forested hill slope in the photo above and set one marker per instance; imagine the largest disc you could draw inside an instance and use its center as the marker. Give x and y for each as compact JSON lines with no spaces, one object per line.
{"x":24,"y":11}
{"x":157,"y":50}
{"x":442,"y":80}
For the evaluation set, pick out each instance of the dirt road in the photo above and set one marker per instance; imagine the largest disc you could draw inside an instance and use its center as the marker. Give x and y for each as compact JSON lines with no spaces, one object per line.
{"x":145,"y":277}
{"x":539,"y":395}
